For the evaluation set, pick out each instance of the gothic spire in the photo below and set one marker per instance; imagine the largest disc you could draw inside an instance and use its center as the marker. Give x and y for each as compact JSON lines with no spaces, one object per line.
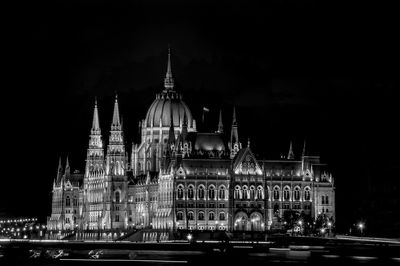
{"x":169,"y":80}
{"x":290,"y":153}
{"x":220,"y":125}
{"x":116,"y":123}
{"x":59,"y":170}
{"x":234,"y":116}
{"x":67,"y":168}
{"x":304,"y":148}
{"x":234,"y":144}
{"x":234,"y":130}
{"x":184,"y":127}
{"x":95,"y":124}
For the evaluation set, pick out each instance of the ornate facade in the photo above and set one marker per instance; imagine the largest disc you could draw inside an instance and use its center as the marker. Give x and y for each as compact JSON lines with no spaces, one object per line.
{"x":178,"y":178}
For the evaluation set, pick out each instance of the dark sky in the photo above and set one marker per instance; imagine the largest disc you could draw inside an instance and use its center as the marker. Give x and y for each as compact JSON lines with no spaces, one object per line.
{"x":324,"y":72}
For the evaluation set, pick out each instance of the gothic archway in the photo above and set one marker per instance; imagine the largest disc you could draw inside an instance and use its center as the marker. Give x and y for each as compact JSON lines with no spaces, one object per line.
{"x":256,"y":221}
{"x":241,"y":221}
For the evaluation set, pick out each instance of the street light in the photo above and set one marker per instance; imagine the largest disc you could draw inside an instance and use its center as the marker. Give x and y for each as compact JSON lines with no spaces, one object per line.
{"x":361,"y":226}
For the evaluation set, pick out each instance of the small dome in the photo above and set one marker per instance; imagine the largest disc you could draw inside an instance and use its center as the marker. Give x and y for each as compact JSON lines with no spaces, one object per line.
{"x":162,"y":107}
{"x":209,"y":142}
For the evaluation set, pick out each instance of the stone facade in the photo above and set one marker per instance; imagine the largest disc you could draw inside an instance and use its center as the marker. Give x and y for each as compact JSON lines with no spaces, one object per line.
{"x":179,"y":178}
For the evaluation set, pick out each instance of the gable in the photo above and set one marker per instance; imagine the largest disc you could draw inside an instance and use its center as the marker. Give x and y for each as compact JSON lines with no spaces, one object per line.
{"x":181,"y":172}
{"x":246,"y":164}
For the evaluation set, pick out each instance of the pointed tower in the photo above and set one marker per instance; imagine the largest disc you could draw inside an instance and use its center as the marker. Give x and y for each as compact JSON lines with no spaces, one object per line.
{"x":116,"y":191}
{"x":94,"y":179}
{"x":169,"y":80}
{"x":67,"y":169}
{"x":59,"y":172}
{"x":303,"y":162}
{"x":220,"y":125}
{"x":290,"y":153}
{"x":234,"y":144}
{"x":116,"y":149}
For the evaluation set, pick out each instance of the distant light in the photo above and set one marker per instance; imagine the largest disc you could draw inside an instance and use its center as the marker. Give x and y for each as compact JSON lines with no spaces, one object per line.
{"x":189,"y":237}
{"x":329,"y":224}
{"x":300,"y":222}
{"x":361,"y":225}
{"x":323,"y":230}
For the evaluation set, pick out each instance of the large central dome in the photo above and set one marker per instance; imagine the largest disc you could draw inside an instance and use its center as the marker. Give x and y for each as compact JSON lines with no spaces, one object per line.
{"x":168,"y":105}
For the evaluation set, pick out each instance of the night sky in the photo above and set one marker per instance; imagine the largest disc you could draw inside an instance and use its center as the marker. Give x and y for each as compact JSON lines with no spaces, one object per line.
{"x":294,"y":70}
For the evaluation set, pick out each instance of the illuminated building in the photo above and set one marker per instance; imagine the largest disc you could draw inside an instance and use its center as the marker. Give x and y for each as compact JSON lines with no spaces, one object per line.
{"x":178,"y":178}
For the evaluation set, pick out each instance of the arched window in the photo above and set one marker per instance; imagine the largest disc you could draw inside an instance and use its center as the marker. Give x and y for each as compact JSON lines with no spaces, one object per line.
{"x":236,"y":194}
{"x":307,"y":194}
{"x":252,"y":192}
{"x":190,"y":192}
{"x":222,"y":192}
{"x":211,"y":192}
{"x":201,"y":216}
{"x":222,"y":216}
{"x":260,"y":192}
{"x":286,"y":193}
{"x":117,"y":197}
{"x":75,"y":202}
{"x":148,"y":165}
{"x":211,"y":216}
{"x":276,"y":193}
{"x":179,"y":216}
{"x":297,"y":193}
{"x":244,"y":192}
{"x":67,"y":201}
{"x":190,"y":216}
{"x":180,"y":192}
{"x":201,"y":192}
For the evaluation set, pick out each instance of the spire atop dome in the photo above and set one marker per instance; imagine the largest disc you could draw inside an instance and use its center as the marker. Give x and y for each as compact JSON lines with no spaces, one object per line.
{"x":169,"y":80}
{"x":95,"y":124}
{"x":116,"y":123}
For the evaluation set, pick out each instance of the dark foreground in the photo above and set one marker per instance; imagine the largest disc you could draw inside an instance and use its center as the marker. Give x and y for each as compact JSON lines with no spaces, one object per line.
{"x":281,"y":250}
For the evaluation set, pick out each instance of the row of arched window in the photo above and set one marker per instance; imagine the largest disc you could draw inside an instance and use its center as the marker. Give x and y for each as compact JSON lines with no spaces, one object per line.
{"x":253,"y":193}
{"x":201,"y":192}
{"x":249,"y":193}
{"x":200,"y":216}
{"x":288,"y":194}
